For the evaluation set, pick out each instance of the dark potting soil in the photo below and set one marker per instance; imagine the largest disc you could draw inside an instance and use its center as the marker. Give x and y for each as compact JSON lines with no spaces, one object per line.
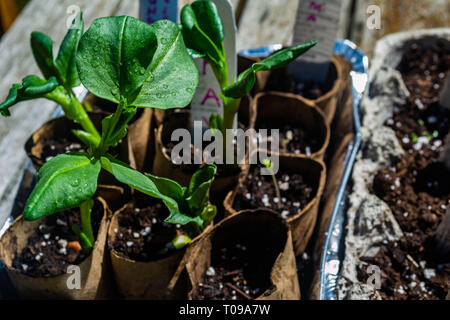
{"x":222,"y":170}
{"x":186,"y":167}
{"x":424,"y":70}
{"x":53,"y":148}
{"x":142,"y":234}
{"x":48,"y":251}
{"x":229,"y":276}
{"x":417,"y":191}
{"x":281,"y":81}
{"x":417,"y":188}
{"x":294,"y":138}
{"x":258,"y":192}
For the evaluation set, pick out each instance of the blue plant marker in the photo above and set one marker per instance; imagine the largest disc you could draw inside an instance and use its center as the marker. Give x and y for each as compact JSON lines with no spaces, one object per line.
{"x":154,"y":10}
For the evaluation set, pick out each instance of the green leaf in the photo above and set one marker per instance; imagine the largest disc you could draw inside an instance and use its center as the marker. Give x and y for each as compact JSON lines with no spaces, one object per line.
{"x":216,"y":121}
{"x":168,"y":187}
{"x":183,"y":219}
{"x":113,"y":132}
{"x":65,"y":61}
{"x":130,"y":176}
{"x":32,"y":87}
{"x":208,"y":214}
{"x":114,"y":57}
{"x":268,"y":164}
{"x":192,"y":201}
{"x":140,"y":182}
{"x":64,"y":182}
{"x":125,"y":59}
{"x":64,"y":68}
{"x":202,"y":176}
{"x":246,"y":80}
{"x":195,"y":54}
{"x":35,"y":87}
{"x":203,"y":30}
{"x":197,"y":196}
{"x":173,"y":76}
{"x":42,"y":48}
{"x":209,"y":20}
{"x":10,"y":100}
{"x":199,"y":199}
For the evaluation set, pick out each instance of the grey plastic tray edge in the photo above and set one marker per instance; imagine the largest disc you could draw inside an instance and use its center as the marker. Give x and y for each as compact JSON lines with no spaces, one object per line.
{"x":330,"y":260}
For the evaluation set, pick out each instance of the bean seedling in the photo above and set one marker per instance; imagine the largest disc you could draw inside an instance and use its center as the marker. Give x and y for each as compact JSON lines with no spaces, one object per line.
{"x":61,"y":77}
{"x":193,"y":201}
{"x":135,"y":65}
{"x":269,"y":166}
{"x":203,"y":33}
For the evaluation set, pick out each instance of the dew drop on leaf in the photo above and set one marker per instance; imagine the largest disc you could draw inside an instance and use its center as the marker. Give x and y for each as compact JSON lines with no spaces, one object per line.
{"x":75,"y":182}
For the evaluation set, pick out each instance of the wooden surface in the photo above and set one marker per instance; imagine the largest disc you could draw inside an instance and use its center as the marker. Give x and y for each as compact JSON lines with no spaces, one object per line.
{"x":265,"y":22}
{"x":396,"y":16}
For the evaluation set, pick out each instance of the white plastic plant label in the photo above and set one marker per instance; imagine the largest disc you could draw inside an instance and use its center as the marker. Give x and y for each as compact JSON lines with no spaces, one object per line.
{"x":316,"y":20}
{"x":206,"y":99}
{"x":154,"y":10}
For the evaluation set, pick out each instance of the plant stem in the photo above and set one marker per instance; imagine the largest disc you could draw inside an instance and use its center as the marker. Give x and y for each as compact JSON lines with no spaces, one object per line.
{"x":230,"y":105}
{"x":81,"y":116}
{"x":221,"y":73}
{"x":85,"y":233}
{"x":103,"y":146}
{"x":269,"y":166}
{"x":230,"y":108}
{"x":73,"y":109}
{"x":86,"y":225}
{"x":277,"y":190}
